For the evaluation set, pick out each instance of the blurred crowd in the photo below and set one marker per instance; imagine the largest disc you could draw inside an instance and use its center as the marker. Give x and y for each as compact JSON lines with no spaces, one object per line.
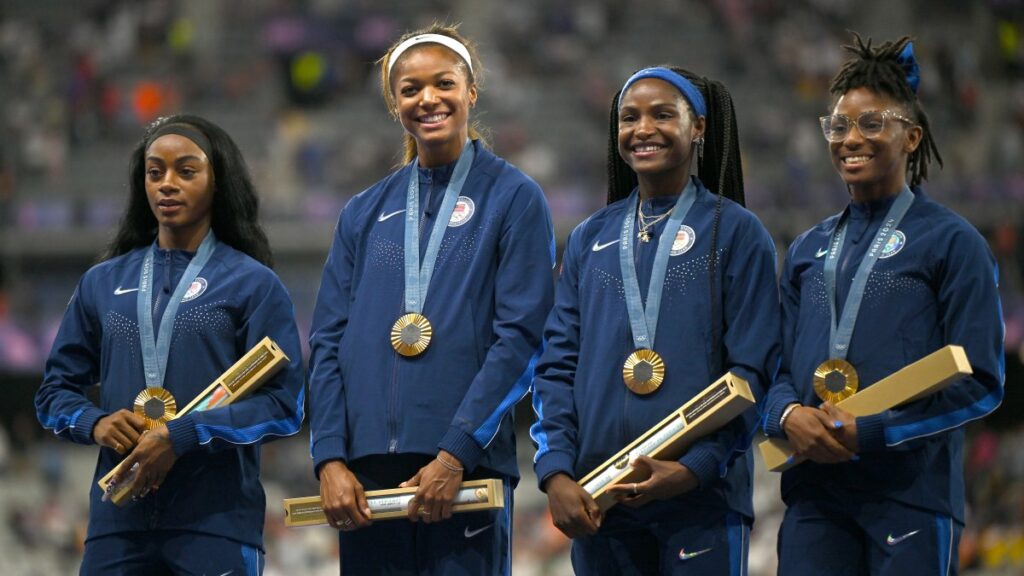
{"x":294,"y":82}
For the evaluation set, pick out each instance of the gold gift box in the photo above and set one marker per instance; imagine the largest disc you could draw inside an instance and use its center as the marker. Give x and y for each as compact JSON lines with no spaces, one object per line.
{"x":714,"y":407}
{"x":913,"y":382}
{"x":473,"y":495}
{"x":253,"y":370}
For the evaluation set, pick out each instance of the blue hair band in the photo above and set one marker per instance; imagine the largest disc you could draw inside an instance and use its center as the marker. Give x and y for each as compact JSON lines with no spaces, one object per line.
{"x":910,"y":68}
{"x":689,"y":91}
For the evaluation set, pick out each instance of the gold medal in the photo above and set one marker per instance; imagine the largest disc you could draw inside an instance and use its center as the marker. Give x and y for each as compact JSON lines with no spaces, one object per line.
{"x":835,"y":380}
{"x":156,"y":406}
{"x":643,"y":371}
{"x":410,"y":334}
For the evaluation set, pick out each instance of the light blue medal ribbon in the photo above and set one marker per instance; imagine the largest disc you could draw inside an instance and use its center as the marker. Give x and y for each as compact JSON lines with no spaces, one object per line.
{"x":836,"y":379}
{"x":644,"y":319}
{"x":156,"y":350}
{"x":410,"y":335}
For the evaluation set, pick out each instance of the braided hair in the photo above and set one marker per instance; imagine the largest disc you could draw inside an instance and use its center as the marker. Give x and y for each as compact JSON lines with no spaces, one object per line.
{"x":719,"y":168}
{"x":879,"y":70}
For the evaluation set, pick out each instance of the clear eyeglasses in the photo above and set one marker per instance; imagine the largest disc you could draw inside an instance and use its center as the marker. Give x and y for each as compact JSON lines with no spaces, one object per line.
{"x":870,"y":124}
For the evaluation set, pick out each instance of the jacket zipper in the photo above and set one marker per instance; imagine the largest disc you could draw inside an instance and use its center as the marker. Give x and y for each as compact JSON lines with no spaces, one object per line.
{"x":393,"y":396}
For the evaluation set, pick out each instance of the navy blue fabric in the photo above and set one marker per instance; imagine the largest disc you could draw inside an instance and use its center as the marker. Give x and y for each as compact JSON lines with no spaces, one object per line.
{"x":834,"y":531}
{"x":585,"y":412}
{"x":170,"y":553}
{"x":936,"y":286}
{"x":214,"y":486}
{"x":668,"y":538}
{"x":489,"y":294}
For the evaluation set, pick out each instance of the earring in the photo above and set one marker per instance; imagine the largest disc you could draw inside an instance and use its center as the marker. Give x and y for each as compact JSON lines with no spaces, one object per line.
{"x":700,"y":148}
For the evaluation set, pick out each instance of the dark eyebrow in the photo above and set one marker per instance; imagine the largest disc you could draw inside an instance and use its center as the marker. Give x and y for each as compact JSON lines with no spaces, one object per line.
{"x":436,"y":76}
{"x":178,"y":160}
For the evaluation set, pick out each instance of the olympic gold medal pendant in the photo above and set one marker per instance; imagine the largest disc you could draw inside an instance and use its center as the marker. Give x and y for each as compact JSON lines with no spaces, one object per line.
{"x":156,"y":406}
{"x":835,"y":380}
{"x":410,"y":334}
{"x":643,"y":371}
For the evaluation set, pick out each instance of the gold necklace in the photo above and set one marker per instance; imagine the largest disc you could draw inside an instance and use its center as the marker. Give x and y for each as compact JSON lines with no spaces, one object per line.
{"x":646,"y":222}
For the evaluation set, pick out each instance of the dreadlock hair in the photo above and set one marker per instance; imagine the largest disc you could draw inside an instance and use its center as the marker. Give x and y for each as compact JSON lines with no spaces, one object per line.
{"x":719,"y":168}
{"x":879,"y":70}
{"x":235,"y":209}
{"x":473,"y":77}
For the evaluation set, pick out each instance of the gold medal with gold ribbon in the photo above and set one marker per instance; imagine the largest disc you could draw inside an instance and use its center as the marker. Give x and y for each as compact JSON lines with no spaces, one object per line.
{"x":156,"y":406}
{"x":410,"y":334}
{"x":643,"y":371}
{"x":835,"y":380}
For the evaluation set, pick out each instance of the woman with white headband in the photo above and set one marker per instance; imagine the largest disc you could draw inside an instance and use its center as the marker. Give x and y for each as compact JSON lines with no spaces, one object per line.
{"x":680,"y":247}
{"x":427,"y":322}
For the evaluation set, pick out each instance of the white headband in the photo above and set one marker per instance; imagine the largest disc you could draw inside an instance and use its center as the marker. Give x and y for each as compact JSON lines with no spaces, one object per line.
{"x":446,"y":41}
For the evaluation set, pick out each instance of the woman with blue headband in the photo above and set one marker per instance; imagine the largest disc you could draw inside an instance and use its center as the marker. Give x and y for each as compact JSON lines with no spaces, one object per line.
{"x":680,"y":248}
{"x":891,"y":279}
{"x":426,"y":327}
{"x":183,"y":292}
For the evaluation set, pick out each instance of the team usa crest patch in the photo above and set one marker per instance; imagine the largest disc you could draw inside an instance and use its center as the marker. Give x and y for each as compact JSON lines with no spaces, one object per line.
{"x":195,"y":290}
{"x":685,"y":238}
{"x":893,"y":245}
{"x":464,"y":208}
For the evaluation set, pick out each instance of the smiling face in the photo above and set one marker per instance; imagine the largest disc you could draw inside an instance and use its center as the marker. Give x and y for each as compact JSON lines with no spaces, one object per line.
{"x":179,"y":186}
{"x":656,"y":130}
{"x":433,"y":95}
{"x":875,"y":167}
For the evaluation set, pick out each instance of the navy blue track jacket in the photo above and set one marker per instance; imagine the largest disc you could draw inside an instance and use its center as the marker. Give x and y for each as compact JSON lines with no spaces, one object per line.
{"x":488,"y":297}
{"x":585,"y":412}
{"x":214,"y":486}
{"x":936,"y":283}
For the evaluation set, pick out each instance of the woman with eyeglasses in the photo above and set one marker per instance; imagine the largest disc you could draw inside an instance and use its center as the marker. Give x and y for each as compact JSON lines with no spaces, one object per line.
{"x":426,"y":327}
{"x":891,"y":279}
{"x":662,"y":291}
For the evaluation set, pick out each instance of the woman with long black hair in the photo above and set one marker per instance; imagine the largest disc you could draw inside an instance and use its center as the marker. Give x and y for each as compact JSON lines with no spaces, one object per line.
{"x":183,"y":291}
{"x":668,"y":287}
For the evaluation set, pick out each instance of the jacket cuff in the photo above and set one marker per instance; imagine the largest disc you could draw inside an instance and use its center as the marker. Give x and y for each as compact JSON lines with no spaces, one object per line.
{"x":326,"y":449}
{"x":462,"y":446}
{"x":773,"y":413}
{"x":82,"y":426}
{"x":184,"y":437}
{"x":703,"y":464}
{"x":552,"y":463}
{"x":871,"y":433}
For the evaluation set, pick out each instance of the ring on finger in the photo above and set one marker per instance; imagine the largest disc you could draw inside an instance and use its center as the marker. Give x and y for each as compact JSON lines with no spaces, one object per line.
{"x":118,"y":447}
{"x":635,"y":491}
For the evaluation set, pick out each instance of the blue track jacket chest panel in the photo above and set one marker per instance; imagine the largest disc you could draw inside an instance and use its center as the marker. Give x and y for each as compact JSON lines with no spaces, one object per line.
{"x":585,"y":412}
{"x":214,"y":486}
{"x":936,"y":283}
{"x":488,"y":298}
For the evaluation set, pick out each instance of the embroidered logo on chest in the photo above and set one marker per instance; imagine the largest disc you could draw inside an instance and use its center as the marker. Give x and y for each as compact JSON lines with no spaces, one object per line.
{"x":685,"y":238}
{"x":463,"y":212}
{"x":893,"y":245}
{"x":195,"y":290}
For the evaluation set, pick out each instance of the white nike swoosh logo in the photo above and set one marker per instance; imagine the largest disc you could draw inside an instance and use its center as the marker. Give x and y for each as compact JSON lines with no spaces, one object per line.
{"x":598,"y":246}
{"x":228,"y":573}
{"x":894,"y":541}
{"x":384,"y":216}
{"x":821,"y":253}
{"x":118,"y":291}
{"x":684,"y":555}
{"x":470,"y":533}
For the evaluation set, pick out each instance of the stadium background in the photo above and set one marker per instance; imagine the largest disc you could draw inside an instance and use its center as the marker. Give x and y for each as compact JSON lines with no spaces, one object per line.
{"x":293,"y":83}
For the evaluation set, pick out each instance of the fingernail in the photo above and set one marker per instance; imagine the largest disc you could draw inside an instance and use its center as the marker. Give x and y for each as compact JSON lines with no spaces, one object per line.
{"x":837,"y":423}
{"x":789,"y":460}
